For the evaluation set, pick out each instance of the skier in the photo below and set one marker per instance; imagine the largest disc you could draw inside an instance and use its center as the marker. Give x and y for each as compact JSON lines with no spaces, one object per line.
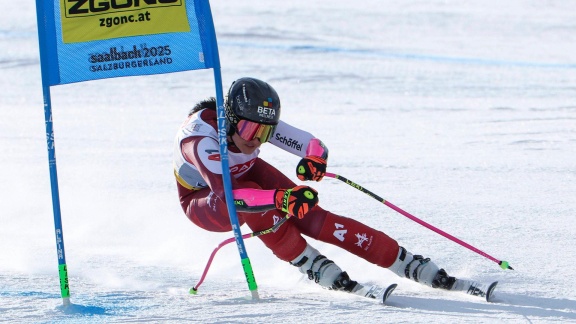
{"x":263,"y":195}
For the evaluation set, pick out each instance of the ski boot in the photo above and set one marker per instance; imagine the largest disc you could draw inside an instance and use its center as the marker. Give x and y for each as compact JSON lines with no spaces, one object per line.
{"x":328,"y":275}
{"x":424,"y":271}
{"x":470,"y":287}
{"x":322,"y":270}
{"x":419,"y":269}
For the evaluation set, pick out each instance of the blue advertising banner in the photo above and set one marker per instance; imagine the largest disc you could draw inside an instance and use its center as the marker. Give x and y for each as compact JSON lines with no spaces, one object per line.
{"x":97,"y":39}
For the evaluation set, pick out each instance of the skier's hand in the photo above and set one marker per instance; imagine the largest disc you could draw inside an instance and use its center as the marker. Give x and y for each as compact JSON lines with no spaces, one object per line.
{"x":311,"y":168}
{"x":296,"y":201}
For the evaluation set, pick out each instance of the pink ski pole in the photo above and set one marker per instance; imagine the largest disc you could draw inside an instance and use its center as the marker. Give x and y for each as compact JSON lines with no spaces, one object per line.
{"x":503,"y":264}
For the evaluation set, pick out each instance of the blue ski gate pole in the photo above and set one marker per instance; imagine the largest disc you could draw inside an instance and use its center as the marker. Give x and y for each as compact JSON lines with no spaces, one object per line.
{"x":245,"y":260}
{"x":44,"y":65}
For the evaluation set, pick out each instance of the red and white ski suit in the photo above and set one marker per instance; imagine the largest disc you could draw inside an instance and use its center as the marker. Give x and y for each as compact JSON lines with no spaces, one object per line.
{"x":198,"y":173}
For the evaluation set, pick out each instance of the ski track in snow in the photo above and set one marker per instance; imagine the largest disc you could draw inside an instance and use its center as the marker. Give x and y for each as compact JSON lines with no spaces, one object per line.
{"x":462,"y":114}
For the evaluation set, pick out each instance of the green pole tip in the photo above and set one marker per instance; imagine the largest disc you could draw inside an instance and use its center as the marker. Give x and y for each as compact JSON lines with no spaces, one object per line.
{"x":193,"y":291}
{"x":504,"y":265}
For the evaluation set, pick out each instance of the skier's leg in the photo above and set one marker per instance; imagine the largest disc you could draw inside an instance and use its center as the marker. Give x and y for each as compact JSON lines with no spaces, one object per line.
{"x":357,"y":238}
{"x":376,"y":247}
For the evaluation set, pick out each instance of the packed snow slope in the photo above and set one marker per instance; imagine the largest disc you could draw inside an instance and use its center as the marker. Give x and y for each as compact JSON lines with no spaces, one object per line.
{"x":461,"y":113}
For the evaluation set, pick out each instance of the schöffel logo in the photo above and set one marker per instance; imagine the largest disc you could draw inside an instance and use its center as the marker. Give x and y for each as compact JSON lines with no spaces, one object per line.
{"x":80,"y":8}
{"x":289,"y":142}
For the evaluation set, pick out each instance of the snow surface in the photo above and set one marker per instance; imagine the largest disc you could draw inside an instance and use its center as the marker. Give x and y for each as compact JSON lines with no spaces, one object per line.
{"x":463,"y":113}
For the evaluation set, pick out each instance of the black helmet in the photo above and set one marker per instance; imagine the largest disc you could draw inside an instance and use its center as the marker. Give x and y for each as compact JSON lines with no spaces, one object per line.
{"x":253,"y":100}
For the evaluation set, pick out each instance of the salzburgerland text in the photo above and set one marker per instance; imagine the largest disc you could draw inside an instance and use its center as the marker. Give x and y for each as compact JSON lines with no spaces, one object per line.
{"x":116,"y":59}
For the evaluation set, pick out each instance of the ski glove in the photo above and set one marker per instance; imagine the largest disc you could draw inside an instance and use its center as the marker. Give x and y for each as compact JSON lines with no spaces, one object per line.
{"x":296,"y":201}
{"x":311,"y":168}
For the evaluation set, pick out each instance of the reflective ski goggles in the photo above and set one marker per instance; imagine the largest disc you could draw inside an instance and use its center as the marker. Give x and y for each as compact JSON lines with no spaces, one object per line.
{"x":248,"y":131}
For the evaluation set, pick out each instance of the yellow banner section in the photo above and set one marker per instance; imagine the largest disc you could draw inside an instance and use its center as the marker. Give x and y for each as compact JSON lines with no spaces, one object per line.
{"x":90,"y":20}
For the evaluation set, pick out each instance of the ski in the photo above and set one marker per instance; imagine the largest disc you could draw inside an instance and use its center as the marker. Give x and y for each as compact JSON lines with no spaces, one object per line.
{"x":469,"y":287}
{"x":376,"y":292}
{"x":475,"y":289}
{"x":490,"y":291}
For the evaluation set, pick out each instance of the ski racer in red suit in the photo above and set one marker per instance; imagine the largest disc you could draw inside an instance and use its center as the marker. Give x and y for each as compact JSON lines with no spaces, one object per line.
{"x":263,"y":195}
